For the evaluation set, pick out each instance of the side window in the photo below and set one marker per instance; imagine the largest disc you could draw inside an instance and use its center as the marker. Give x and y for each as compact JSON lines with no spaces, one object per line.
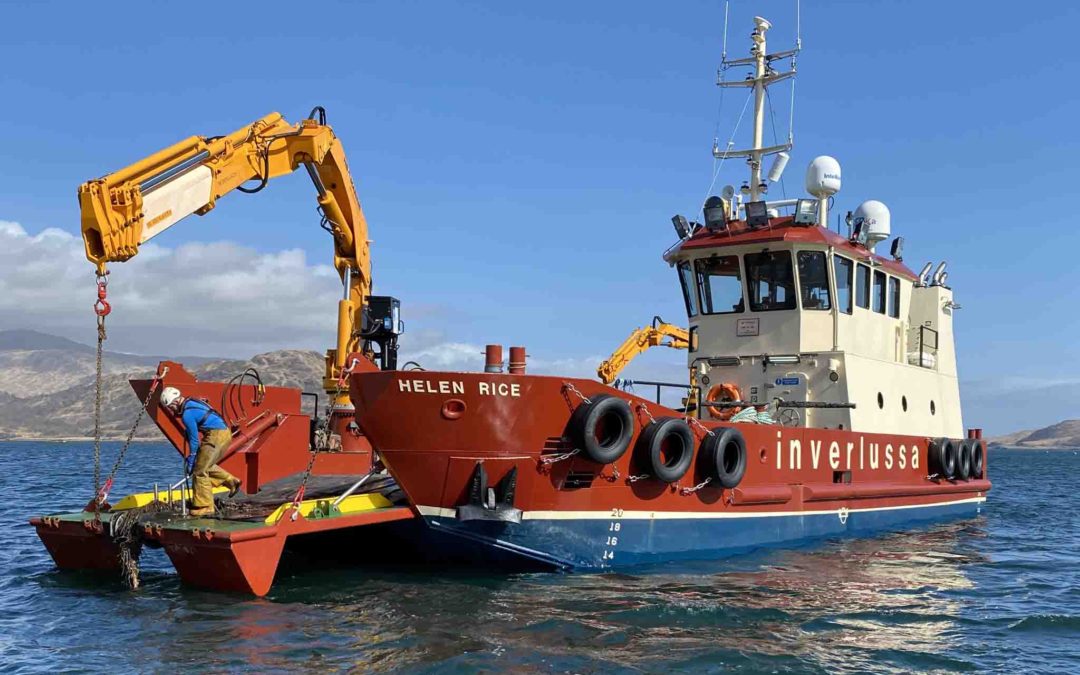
{"x":862,"y":286}
{"x":770,"y":282}
{"x":844,"y":269}
{"x":894,"y":297}
{"x":720,"y":284}
{"x":814,"y":280}
{"x":686,"y":279}
{"x":879,"y":292}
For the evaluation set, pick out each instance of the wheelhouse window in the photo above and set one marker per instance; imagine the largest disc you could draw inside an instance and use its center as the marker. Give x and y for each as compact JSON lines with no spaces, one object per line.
{"x":814,"y":280}
{"x":879,"y":292}
{"x":862,"y":286}
{"x":844,"y":269}
{"x":770,"y":282}
{"x":686,"y":280}
{"x":894,"y":297}
{"x":720,"y":284}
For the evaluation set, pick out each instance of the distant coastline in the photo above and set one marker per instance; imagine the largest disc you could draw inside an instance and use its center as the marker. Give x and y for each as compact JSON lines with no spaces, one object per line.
{"x":1064,"y":435}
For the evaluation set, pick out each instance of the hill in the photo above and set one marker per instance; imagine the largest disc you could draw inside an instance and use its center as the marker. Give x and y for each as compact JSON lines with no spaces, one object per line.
{"x":1064,"y":434}
{"x":34,"y":363}
{"x":48,"y":392}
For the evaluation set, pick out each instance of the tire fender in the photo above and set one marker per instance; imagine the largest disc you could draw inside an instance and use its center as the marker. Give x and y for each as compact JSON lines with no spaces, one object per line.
{"x":722,"y":457}
{"x":666,"y":447}
{"x":943,"y":456}
{"x":602,"y":428}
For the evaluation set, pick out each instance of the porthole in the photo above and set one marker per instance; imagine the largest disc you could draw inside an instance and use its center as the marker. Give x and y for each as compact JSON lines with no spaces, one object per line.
{"x":880,"y":401}
{"x":933,"y":408}
{"x":903,"y":403}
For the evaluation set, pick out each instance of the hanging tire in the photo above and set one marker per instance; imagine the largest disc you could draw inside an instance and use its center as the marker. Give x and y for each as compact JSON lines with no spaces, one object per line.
{"x":722,"y":457}
{"x":943,"y":457}
{"x":963,"y":459}
{"x":602,"y":429}
{"x":666,"y":448}
{"x":978,"y":459}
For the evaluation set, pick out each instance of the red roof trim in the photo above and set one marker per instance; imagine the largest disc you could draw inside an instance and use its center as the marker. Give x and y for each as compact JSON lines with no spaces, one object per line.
{"x":784,"y":229}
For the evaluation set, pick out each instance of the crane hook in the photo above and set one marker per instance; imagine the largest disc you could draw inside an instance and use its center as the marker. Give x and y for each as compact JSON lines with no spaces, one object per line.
{"x":102,"y":306}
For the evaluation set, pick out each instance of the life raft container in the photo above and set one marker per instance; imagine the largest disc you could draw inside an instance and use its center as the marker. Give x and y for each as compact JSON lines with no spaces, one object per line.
{"x":722,"y":393}
{"x":602,"y":428}
{"x":666,"y":448}
{"x":722,"y":457}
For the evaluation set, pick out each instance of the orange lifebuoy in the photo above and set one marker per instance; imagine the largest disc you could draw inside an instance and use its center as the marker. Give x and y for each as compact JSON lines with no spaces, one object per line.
{"x":723,"y":392}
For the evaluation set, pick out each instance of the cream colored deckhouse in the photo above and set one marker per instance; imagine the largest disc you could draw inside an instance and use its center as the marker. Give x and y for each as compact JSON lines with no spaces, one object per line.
{"x":811,"y":321}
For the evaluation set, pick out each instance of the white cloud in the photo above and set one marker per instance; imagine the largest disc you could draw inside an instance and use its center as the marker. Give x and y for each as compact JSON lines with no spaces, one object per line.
{"x":199,"y":298}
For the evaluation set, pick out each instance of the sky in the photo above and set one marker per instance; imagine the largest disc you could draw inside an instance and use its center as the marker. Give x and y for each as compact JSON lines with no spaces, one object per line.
{"x":519,"y":164}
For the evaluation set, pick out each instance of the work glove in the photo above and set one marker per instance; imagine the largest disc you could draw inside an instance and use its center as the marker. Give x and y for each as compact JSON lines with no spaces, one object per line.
{"x":189,"y":461}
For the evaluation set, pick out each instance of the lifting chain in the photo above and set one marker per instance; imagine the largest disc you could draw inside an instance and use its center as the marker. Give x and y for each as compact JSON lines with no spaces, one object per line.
{"x":107,"y":486}
{"x":101,"y":309}
{"x":295,"y":506}
{"x":342,"y":381}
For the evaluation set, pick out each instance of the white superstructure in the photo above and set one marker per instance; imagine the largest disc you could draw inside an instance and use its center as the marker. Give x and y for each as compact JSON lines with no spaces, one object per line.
{"x":811,"y":322}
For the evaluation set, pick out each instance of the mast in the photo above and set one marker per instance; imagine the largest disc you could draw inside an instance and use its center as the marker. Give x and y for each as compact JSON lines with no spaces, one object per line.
{"x":763,"y":76}
{"x":758,"y":50}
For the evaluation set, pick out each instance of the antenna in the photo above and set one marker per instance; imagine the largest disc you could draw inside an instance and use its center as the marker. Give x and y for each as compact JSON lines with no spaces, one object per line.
{"x":723,"y":52}
{"x":761,"y":77}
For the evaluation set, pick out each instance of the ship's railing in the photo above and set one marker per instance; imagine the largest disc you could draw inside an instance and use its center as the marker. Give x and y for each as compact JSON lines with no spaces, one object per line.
{"x":926,"y":339}
{"x":626,"y":385}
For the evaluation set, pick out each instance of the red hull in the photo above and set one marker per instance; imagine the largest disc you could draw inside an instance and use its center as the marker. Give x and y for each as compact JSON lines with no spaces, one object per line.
{"x":433,"y":429}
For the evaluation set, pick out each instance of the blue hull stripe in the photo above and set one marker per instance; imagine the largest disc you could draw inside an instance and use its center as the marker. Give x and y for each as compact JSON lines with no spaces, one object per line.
{"x":598,"y":540}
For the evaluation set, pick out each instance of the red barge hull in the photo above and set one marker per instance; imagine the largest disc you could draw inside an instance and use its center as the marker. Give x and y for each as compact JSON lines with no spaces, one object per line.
{"x":487,"y":462}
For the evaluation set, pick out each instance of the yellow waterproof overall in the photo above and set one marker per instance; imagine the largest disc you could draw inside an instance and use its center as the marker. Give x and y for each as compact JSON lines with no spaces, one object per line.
{"x":208,"y":475}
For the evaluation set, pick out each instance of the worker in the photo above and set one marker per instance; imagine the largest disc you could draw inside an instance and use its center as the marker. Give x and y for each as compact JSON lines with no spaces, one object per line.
{"x":197,"y":416}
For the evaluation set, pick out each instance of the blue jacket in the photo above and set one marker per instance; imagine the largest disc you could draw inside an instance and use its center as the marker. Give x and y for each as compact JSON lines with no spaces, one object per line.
{"x":195,"y":418}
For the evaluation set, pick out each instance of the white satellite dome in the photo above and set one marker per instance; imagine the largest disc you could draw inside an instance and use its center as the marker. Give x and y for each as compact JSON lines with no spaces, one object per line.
{"x":823,"y":177}
{"x":876,"y":221}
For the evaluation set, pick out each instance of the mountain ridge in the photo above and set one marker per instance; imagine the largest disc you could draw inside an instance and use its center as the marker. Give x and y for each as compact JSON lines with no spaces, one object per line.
{"x":48,"y":393}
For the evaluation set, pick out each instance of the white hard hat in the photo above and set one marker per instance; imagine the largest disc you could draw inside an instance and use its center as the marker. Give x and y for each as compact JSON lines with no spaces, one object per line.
{"x":169,"y":396}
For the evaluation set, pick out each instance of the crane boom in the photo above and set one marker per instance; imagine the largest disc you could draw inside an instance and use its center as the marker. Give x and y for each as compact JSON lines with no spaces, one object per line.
{"x":640,"y":341}
{"x":127,"y":208}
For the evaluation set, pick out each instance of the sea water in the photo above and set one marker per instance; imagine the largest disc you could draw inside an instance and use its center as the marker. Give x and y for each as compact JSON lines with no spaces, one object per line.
{"x":1000,"y":592}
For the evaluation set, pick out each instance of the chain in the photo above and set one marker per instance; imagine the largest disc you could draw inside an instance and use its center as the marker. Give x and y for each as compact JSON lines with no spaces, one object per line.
{"x":694,"y":422}
{"x":343,"y":378}
{"x":101,"y":309}
{"x":551,"y":459}
{"x":568,"y":386}
{"x":642,"y":408}
{"x":634,"y":479}
{"x":692,"y":490}
{"x":97,"y":408}
{"x":303,"y":486}
{"x":613,"y":476}
{"x":107,"y":486}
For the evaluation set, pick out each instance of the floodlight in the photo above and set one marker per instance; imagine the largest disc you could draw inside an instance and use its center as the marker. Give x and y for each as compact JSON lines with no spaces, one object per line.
{"x":806,"y":212}
{"x":682,"y":227}
{"x":757,"y":214}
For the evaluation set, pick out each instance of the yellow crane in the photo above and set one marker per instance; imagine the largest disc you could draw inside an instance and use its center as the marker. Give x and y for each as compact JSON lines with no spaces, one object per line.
{"x":659,"y":334}
{"x":127,"y":208}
